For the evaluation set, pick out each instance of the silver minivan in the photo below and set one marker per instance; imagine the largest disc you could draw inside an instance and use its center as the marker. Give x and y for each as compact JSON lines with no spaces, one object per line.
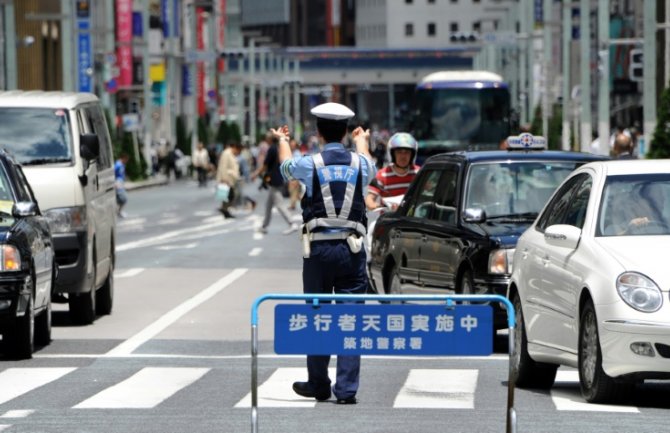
{"x":62,"y":141}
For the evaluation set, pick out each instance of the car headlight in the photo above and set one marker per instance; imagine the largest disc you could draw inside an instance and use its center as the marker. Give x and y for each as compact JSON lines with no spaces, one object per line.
{"x":10,"y":260}
{"x":66,"y":219}
{"x":501,"y":261}
{"x":639,"y":291}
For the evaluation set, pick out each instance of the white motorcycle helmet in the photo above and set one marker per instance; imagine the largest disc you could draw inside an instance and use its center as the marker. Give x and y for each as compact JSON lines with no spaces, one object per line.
{"x":402,"y":140}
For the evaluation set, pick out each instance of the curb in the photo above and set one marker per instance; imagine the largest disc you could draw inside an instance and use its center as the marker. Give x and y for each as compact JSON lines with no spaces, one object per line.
{"x":148,"y":183}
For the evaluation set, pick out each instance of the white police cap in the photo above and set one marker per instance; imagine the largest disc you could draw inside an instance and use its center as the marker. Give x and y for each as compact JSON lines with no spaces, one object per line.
{"x":332,"y":111}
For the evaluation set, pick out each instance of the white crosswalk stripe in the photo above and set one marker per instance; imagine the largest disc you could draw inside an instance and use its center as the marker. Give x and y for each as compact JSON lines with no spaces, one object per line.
{"x":150,"y":386}
{"x":17,"y":381}
{"x":145,"y":389}
{"x":277,"y":392}
{"x":438,"y":389}
{"x":566,"y":396}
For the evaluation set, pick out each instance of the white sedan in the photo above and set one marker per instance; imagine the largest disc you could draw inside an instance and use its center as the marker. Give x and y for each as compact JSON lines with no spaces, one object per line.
{"x":591,"y":278}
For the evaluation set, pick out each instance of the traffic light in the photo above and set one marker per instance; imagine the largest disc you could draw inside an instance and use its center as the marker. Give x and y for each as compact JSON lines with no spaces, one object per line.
{"x":635,"y":65}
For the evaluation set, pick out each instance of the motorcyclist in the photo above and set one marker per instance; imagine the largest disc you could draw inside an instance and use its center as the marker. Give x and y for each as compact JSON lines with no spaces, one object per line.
{"x":394,"y":179}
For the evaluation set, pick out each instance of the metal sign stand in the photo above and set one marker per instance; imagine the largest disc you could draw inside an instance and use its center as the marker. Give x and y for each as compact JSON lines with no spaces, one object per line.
{"x":316,"y":299}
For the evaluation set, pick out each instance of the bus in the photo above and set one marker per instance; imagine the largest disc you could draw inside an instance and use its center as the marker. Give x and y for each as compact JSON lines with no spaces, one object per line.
{"x":460,"y":110}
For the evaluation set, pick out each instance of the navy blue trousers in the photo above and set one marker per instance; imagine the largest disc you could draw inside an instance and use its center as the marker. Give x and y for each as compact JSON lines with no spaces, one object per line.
{"x":333,"y":268}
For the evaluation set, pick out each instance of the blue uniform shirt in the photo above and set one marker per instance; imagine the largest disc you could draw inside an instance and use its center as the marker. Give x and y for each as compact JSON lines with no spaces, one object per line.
{"x":302,"y":169}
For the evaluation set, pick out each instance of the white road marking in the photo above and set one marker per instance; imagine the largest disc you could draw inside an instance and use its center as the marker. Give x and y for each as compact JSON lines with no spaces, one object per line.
{"x":169,"y":221}
{"x":566,"y":396}
{"x":170,"y":235}
{"x":128,"y":273}
{"x":128,"y":346}
{"x":277,"y":391}
{"x":17,"y":381}
{"x":258,"y":235}
{"x":255,"y":252}
{"x":438,"y":389}
{"x":4,"y":426}
{"x":145,"y":389}
{"x":17,"y":413}
{"x":178,"y":247}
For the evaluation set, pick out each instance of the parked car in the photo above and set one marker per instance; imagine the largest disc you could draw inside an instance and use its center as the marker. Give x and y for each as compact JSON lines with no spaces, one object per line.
{"x":590,"y":281}
{"x":456,"y":228}
{"x":61,"y":139}
{"x":27,"y":264}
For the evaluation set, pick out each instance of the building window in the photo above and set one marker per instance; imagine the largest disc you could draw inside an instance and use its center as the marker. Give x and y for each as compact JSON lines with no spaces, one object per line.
{"x":409,"y":2}
{"x":431,"y":29}
{"x":453,"y":27}
{"x":409,"y":29}
{"x":476,"y":26}
{"x":454,"y":1}
{"x":431,"y":2}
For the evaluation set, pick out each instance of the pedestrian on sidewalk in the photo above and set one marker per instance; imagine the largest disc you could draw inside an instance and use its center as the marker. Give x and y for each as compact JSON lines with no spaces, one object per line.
{"x":201,"y":164}
{"x":120,"y":184}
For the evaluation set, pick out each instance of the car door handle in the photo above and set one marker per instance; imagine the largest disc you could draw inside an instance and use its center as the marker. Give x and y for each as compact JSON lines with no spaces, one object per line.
{"x":424,"y":238}
{"x":524,"y":253}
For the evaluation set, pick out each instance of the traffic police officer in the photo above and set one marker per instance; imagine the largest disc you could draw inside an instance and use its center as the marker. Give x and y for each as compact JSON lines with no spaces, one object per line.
{"x":335,"y":225}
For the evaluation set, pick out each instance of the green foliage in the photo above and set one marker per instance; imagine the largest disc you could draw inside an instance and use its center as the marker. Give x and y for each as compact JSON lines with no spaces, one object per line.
{"x":555,"y":126}
{"x":135,"y":169}
{"x":183,"y":136}
{"x":235,"y":134}
{"x":223,"y":133}
{"x":203,"y":131}
{"x":660,"y":140}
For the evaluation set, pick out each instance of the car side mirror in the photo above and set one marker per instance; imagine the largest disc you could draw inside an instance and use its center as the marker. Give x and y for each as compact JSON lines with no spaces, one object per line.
{"x":562,"y":235}
{"x":24,"y":209}
{"x":89,"y":146}
{"x":474,"y":215}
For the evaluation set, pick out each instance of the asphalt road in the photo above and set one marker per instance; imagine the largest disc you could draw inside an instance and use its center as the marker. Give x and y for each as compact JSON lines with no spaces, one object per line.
{"x":174,"y":356}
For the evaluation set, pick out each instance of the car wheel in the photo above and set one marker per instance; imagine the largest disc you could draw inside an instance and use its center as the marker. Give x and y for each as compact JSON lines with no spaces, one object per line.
{"x":43,"y":325}
{"x":527,"y":373}
{"x":104,"y":297}
{"x":466,"y":285}
{"x":21,"y":337}
{"x":596,"y":385}
{"x":394,"y":286}
{"x":82,"y":305}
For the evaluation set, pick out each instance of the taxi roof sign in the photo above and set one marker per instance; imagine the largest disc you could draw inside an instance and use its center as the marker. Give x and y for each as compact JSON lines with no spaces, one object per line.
{"x":526,"y":141}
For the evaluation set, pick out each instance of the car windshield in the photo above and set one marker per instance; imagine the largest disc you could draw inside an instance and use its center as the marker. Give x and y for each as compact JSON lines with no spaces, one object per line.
{"x":635,"y":205}
{"x":36,"y":135}
{"x":514,"y":188}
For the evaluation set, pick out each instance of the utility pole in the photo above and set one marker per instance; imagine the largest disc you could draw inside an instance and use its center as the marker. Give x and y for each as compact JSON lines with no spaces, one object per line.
{"x":10,"y":47}
{"x":649,"y":79}
{"x":147,"y":120}
{"x":548,"y":29}
{"x":67,"y":36}
{"x":525,"y":40}
{"x":604,"y":77}
{"x":585,"y":75}
{"x":297,"y":129}
{"x":252,"y":91}
{"x":567,"y":39}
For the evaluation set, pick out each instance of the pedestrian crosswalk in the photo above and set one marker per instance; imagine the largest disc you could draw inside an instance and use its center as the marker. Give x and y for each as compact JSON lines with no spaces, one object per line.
{"x":149,"y":387}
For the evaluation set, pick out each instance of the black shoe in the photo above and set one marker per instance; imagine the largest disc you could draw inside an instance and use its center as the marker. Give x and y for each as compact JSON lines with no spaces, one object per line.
{"x":348,"y":400}
{"x":303,"y":389}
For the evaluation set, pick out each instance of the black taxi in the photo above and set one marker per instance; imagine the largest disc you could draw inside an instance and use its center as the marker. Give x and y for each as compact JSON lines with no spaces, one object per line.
{"x":456,"y":228}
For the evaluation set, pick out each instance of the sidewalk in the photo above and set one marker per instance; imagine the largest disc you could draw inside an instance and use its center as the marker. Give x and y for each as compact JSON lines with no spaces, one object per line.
{"x":158,"y":179}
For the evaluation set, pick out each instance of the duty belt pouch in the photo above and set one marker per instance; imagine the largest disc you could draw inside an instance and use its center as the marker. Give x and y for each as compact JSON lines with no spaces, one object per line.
{"x":355,"y":243}
{"x":306,"y":249}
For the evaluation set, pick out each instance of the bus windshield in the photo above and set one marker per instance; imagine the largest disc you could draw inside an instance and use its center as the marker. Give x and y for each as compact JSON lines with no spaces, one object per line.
{"x":461,"y":118}
{"x":36,"y":135}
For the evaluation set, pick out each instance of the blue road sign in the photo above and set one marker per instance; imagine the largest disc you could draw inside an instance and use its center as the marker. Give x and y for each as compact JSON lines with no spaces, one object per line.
{"x":359,"y":329}
{"x":84,"y":56}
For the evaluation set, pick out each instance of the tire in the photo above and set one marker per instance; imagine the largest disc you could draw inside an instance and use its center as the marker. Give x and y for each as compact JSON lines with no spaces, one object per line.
{"x":43,"y":326}
{"x":394,"y":285}
{"x":104,"y":296}
{"x":82,"y":305}
{"x":466,"y":285}
{"x":527,"y":373}
{"x":21,"y":336}
{"x":595,"y":384}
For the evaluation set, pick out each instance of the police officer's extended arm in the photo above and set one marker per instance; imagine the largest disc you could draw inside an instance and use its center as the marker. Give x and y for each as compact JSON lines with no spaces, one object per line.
{"x":361,"y":139}
{"x":284,"y":149}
